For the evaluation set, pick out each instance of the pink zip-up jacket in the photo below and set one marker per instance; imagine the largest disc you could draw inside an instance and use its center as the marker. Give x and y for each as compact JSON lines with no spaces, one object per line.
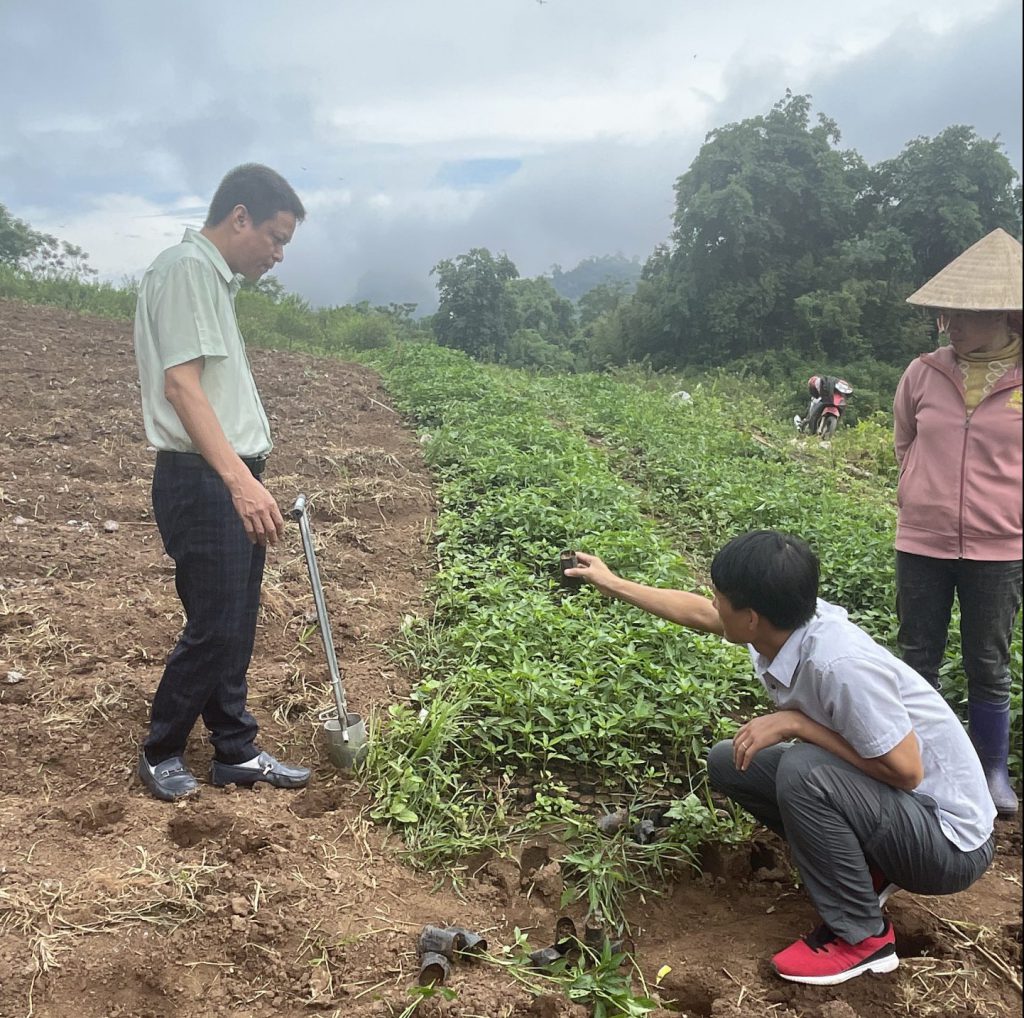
{"x":959,"y":490}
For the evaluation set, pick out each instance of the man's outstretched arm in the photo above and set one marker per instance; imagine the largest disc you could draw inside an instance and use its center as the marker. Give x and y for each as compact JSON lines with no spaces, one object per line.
{"x":685,"y":609}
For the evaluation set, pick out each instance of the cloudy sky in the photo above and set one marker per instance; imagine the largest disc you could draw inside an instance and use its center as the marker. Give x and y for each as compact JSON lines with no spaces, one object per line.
{"x":415,"y":130}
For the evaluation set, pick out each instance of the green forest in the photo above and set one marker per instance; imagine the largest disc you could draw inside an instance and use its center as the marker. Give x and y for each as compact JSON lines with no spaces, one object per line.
{"x":787,"y":249}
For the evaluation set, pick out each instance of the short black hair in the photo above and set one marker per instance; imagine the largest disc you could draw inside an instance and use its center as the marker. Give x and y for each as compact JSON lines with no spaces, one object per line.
{"x":775,"y":574}
{"x":260,"y":189}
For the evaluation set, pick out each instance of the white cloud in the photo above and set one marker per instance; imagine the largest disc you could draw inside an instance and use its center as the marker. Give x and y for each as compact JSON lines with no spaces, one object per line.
{"x":122,"y":233}
{"x":527,"y":121}
{"x":326,"y":198}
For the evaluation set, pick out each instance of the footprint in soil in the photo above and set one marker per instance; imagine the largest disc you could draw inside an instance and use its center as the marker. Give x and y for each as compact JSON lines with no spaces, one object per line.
{"x":96,"y":817}
{"x":201,"y":826}
{"x":191,"y":828}
{"x":315,"y":802}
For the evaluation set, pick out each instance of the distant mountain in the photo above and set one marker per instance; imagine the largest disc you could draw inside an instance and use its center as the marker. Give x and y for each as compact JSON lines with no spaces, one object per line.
{"x":593,"y":272}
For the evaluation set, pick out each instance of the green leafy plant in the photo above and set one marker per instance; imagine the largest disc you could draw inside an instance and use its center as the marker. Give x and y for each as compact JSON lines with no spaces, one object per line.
{"x":531,"y":699}
{"x":422,"y":993}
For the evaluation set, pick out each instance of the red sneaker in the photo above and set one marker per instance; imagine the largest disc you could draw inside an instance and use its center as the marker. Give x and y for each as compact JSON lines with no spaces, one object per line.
{"x":883,"y":886}
{"x":823,"y":959}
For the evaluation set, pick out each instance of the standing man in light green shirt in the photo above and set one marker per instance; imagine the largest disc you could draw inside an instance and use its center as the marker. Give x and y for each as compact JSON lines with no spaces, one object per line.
{"x":204,"y":416}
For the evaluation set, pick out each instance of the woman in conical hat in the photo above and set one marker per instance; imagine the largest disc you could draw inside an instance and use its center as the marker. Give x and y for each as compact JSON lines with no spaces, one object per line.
{"x":958,"y":442}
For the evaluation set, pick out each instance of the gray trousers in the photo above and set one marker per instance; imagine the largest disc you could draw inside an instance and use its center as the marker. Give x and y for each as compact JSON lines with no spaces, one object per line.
{"x":837,"y":821}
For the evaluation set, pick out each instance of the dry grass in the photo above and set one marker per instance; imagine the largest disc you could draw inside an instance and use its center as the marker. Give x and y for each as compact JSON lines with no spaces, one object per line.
{"x":316,"y":950}
{"x":303,"y":700}
{"x":944,"y":988}
{"x":365,"y":460}
{"x":30,"y":637}
{"x":50,"y":914}
{"x":97,"y":901}
{"x":63,"y":711}
{"x":365,"y":476}
{"x":982,"y":941}
{"x":962,"y":984}
{"x":747,"y":995}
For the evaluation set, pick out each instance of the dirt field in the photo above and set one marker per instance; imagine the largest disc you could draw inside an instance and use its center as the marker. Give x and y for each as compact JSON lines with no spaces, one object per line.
{"x":272,"y":903}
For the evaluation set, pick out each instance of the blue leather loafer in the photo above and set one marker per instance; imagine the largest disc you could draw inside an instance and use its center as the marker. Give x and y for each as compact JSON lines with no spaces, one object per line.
{"x":168,"y":780}
{"x":272,"y":771}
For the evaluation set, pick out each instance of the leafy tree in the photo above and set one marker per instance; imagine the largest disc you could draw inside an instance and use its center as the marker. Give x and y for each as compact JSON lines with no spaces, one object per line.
{"x":945,"y":193}
{"x":404,"y":326}
{"x":17,"y":239}
{"x":602,"y":345}
{"x":287,"y":322}
{"x":370,"y":332}
{"x":602,"y":300}
{"x":784,"y":241}
{"x":832,"y":317}
{"x":399,"y":313}
{"x":40,"y":254}
{"x":536,"y":305}
{"x":654,"y":325}
{"x":475,"y":310}
{"x":765,"y":202}
{"x":876,"y":269}
{"x":527,"y":348}
{"x":270,"y":286}
{"x":596,"y":271}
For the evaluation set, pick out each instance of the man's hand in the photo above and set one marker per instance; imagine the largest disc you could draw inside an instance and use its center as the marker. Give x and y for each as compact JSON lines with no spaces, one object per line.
{"x":901,"y":767}
{"x":254,"y":504}
{"x":760,"y":733}
{"x":685,"y":609}
{"x":257,"y":509}
{"x":594,"y":571}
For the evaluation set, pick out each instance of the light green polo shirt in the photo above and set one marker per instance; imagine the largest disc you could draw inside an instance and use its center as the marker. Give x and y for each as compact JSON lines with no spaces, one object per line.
{"x":186,"y":309}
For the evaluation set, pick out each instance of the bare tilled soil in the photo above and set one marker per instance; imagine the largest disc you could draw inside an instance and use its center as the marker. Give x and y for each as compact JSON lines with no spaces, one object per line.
{"x":272,"y":903}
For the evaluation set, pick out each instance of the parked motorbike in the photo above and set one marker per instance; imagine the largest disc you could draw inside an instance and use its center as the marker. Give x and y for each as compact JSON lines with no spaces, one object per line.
{"x":828,"y":398}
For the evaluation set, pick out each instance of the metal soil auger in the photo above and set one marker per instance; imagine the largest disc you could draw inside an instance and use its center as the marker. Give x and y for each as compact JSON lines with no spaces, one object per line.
{"x":345,"y":733}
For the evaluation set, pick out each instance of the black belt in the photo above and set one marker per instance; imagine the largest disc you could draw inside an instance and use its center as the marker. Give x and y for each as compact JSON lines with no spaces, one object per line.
{"x":256,"y":464}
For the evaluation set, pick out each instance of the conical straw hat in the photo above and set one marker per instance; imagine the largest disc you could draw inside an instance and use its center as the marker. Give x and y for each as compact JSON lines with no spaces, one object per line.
{"x":986,"y":277}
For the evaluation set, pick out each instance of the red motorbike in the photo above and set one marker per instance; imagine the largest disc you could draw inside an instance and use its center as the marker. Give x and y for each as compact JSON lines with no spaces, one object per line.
{"x":828,"y":398}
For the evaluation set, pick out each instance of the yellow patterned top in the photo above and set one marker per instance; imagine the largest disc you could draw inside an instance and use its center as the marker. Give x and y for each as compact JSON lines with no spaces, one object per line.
{"x":982,"y":370}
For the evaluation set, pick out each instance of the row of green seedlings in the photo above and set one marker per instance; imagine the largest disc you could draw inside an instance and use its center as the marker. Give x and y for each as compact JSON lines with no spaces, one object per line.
{"x":536,"y":704}
{"x":712,"y":471}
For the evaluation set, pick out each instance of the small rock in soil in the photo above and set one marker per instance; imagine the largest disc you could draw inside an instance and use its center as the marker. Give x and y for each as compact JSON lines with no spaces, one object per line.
{"x":547,"y":881}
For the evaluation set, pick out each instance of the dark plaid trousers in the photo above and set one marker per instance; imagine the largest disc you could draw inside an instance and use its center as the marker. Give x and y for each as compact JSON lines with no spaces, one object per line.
{"x":218,"y":574}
